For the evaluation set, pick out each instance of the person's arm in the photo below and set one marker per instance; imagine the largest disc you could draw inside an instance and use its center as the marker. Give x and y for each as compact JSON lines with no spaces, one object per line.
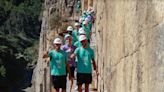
{"x":73,"y":55}
{"x":94,"y":65}
{"x":45,"y":55}
{"x":67,"y":66}
{"x":68,"y":69}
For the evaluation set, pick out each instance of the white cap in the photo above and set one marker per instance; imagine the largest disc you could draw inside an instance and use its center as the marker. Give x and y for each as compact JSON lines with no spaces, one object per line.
{"x":81,"y":31}
{"x":57,"y":41}
{"x":67,"y":35}
{"x":85,"y":22}
{"x":69,"y":28}
{"x":82,"y":37}
{"x":77,"y":24}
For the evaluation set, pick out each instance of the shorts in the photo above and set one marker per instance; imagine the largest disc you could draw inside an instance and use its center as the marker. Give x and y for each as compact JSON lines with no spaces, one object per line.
{"x":59,"y":81}
{"x":72,"y":70}
{"x":84,"y":78}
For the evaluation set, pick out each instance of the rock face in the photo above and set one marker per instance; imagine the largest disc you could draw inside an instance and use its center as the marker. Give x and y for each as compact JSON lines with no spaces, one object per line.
{"x":52,"y":23}
{"x":130,"y":48}
{"x":129,"y":44}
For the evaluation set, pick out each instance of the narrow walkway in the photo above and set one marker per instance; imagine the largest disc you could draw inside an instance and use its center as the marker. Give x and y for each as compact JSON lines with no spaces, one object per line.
{"x":93,"y":86}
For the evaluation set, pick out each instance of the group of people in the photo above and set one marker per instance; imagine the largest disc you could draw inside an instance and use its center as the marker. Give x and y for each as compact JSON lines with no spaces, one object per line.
{"x":74,"y":53}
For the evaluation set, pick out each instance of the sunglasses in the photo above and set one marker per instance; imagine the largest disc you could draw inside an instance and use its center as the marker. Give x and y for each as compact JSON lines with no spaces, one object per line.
{"x":57,"y":44}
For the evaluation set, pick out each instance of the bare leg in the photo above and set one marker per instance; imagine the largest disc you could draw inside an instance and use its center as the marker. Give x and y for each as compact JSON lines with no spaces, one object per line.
{"x":79,"y":88}
{"x":63,"y":90}
{"x":71,"y":85}
{"x":86,"y":87}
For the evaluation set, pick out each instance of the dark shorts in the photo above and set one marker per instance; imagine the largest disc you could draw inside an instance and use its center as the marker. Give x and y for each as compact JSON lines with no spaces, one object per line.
{"x":59,"y":81}
{"x":72,"y":70}
{"x":84,"y":78}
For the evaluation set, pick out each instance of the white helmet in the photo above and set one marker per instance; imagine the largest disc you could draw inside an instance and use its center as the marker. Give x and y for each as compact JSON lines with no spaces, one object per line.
{"x":82,"y":37}
{"x":81,"y":31}
{"x":69,"y":28}
{"x":66,"y":36}
{"x":57,"y":41}
{"x":85,"y":22}
{"x":77,"y":24}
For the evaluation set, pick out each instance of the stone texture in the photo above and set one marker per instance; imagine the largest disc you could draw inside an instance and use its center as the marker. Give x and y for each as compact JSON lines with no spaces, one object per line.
{"x":130,"y":46}
{"x":41,"y":76}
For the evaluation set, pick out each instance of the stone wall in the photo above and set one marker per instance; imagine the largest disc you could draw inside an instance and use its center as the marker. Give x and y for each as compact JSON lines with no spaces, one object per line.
{"x":62,"y":10}
{"x":130,"y":48}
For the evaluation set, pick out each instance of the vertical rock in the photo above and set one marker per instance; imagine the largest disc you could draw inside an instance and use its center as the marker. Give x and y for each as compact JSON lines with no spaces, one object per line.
{"x":52,"y":21}
{"x":130,"y":45}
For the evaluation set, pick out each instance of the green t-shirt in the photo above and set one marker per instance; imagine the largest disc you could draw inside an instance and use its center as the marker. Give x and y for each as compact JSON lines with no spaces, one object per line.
{"x":87,"y":30}
{"x":89,"y":25}
{"x":84,"y":15}
{"x":58,"y":62}
{"x":84,"y":59}
{"x":74,"y":36}
{"x":77,"y":44}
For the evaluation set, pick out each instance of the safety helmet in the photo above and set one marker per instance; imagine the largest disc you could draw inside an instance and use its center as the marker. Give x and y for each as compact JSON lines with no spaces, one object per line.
{"x":81,"y":31}
{"x":57,"y":41}
{"x":69,"y":28}
{"x":66,"y":36}
{"x":77,"y":24}
{"x":82,"y":37}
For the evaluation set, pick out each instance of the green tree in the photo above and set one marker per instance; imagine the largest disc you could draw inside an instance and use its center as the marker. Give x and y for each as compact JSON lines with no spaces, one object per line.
{"x":19,"y":34}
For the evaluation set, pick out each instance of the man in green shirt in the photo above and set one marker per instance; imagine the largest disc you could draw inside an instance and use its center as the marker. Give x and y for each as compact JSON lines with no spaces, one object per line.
{"x":80,"y":32}
{"x":85,"y":59}
{"x":87,"y":30}
{"x":58,"y":65}
{"x":75,"y":33}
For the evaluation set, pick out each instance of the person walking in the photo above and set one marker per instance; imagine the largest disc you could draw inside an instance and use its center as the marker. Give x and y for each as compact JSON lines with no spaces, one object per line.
{"x":58,"y":65}
{"x":75,"y":32}
{"x":69,"y":48}
{"x":85,"y":56}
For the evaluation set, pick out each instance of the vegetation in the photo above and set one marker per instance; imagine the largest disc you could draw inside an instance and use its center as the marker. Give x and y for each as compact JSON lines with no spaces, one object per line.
{"x":19,"y":34}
